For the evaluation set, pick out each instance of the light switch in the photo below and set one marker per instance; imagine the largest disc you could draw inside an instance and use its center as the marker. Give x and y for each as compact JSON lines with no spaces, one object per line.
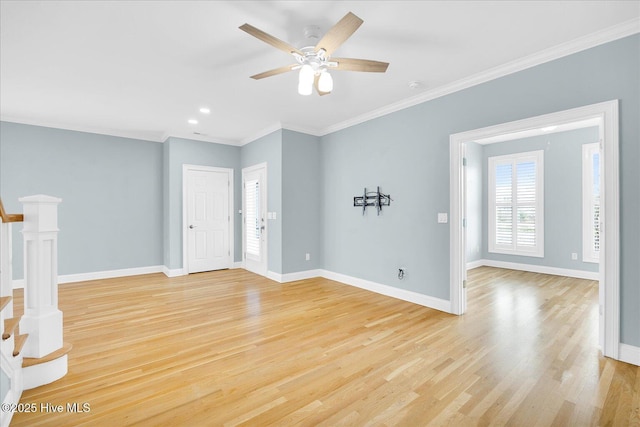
{"x":442,"y":218}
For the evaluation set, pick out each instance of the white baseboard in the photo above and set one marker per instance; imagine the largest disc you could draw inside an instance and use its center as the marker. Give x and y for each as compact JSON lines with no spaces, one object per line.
{"x":98,"y":275}
{"x":579,"y":274}
{"x":475,"y":264}
{"x":292,"y":277}
{"x":175,"y":272}
{"x":630,"y":354}
{"x":276,"y":277}
{"x":403,"y":294}
{"x":627,"y":353}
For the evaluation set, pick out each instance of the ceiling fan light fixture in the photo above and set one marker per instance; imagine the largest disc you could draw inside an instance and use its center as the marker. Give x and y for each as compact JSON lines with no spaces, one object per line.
{"x":305,"y":89}
{"x":314,"y":60}
{"x":325,"y":82}
{"x":306,"y":75}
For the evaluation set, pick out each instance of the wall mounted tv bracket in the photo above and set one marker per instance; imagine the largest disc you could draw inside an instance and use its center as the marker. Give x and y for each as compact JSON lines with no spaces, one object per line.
{"x":372,"y":198}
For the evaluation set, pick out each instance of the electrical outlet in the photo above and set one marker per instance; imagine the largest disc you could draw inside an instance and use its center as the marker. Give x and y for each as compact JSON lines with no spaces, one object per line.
{"x":442,"y":218}
{"x":307,"y":257}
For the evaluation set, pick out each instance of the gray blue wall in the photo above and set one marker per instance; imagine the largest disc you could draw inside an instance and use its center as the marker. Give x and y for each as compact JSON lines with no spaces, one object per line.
{"x":268,"y":149}
{"x":178,"y":152}
{"x":407,"y":153}
{"x":111,"y":188}
{"x":301,"y":202}
{"x":562,"y":196}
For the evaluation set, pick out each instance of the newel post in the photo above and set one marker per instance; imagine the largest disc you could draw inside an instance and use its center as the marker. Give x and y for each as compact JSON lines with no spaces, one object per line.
{"x":41,"y":320}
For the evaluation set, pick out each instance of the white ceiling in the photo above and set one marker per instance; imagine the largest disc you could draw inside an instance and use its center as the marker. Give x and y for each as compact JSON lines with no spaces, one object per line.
{"x":143,"y":68}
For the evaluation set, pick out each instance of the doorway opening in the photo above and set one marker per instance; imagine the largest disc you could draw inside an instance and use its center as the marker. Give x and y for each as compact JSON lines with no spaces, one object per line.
{"x":254,"y":216}
{"x":207,"y":220}
{"x":606,"y":114}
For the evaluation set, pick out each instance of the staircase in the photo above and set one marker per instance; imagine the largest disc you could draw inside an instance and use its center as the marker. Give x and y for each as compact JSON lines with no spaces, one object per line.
{"x":28,"y":362}
{"x":11,"y":330}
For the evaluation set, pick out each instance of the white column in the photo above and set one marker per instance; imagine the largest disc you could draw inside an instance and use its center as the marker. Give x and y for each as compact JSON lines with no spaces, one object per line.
{"x":41,"y":320}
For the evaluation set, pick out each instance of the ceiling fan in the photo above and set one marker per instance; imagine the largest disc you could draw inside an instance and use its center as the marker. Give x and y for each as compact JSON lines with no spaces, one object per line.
{"x":314,"y":62}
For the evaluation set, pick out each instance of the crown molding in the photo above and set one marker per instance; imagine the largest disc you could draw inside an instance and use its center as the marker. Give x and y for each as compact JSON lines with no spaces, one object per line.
{"x":139,"y":135}
{"x":281,"y":126}
{"x":607,"y":35}
{"x":261,"y":133}
{"x":582,"y":43}
{"x":305,"y":130}
{"x":201,"y":138}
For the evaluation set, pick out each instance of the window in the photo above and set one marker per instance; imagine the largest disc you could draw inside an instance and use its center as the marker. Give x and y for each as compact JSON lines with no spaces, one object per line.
{"x":516,"y":204}
{"x":252,"y":216}
{"x":591,"y":202}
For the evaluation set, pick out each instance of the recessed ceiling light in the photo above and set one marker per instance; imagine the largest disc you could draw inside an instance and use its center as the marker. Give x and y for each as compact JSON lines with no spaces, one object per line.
{"x":205,"y":110}
{"x":193,"y":121}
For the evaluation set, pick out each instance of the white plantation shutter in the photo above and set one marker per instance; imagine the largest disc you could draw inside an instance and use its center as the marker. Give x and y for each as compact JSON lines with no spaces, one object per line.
{"x":591,"y":202}
{"x":503,"y":205}
{"x":526,"y":205}
{"x":516,"y":204}
{"x":252,"y":217}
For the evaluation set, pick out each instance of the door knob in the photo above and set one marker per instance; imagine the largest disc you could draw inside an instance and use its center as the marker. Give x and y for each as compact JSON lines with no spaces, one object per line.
{"x":192,"y":226}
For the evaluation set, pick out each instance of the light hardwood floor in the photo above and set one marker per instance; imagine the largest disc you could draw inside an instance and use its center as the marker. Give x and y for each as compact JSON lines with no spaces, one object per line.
{"x":232,"y":348}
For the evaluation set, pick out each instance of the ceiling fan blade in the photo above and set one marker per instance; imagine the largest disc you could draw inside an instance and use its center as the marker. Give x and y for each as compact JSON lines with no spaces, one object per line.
{"x":269,"y":39}
{"x":339,"y":33}
{"x":351,"y":64}
{"x":274,"y":72}
{"x":316,"y":81}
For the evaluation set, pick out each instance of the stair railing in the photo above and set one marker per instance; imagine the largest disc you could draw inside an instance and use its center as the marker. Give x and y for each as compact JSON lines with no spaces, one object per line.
{"x":10,"y":366}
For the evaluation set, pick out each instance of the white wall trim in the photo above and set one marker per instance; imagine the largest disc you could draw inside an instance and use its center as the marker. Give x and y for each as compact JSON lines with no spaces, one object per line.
{"x":173,"y":272}
{"x":630,"y":354}
{"x":276,"y":277}
{"x":238,"y":264}
{"x":261,"y":133}
{"x":475,"y":264}
{"x":390,"y":291}
{"x":293,"y":277}
{"x":582,"y":43}
{"x":99,"y":275}
{"x":555,"y":271}
{"x":609,"y":289}
{"x":402,"y":294}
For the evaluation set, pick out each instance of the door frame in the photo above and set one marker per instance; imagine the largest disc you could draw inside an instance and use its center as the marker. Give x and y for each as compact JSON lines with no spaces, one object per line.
{"x":185,"y":235}
{"x":264,"y":193}
{"x":609,"y":287}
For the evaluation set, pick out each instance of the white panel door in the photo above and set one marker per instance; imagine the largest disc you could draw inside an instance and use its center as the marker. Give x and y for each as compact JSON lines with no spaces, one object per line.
{"x":254,"y":225}
{"x":208,"y":220}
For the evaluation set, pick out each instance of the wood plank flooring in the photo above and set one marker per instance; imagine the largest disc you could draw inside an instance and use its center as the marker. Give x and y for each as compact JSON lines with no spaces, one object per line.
{"x":231,"y":348}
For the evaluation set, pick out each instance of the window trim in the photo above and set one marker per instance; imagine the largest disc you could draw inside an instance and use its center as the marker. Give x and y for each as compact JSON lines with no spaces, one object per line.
{"x":513,"y":249}
{"x":588,"y":150}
